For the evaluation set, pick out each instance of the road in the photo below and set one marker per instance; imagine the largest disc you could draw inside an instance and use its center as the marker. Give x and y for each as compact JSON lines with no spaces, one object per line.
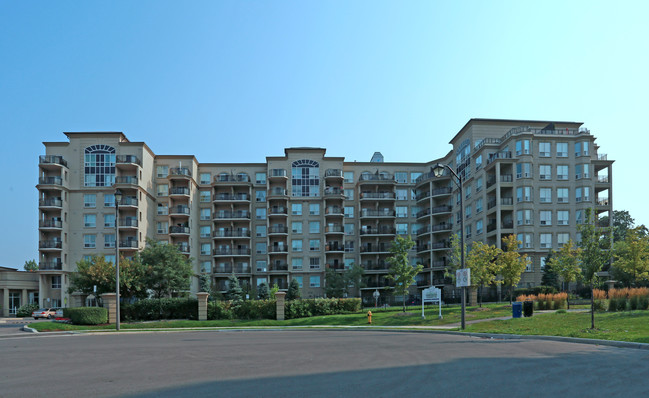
{"x":313,"y":363}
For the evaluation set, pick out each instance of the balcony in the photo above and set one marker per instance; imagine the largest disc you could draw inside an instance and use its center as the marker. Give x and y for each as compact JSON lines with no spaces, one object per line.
{"x":179,"y":191}
{"x":380,"y":248}
{"x":278,"y":249}
{"x":334,"y":211}
{"x":231,"y":252}
{"x":277,"y":193}
{"x":56,"y":181}
{"x":50,"y":202}
{"x":277,"y":174}
{"x":127,"y":161}
{"x":278,"y":211}
{"x":377,"y":196}
{"x":275,"y":267}
{"x":50,"y":245}
{"x":333,"y":174}
{"x":332,"y":247}
{"x":232,"y":215}
{"x":179,"y":211}
{"x":331,"y":192}
{"x":378,"y":266}
{"x":232,"y":197}
{"x":277,"y":229}
{"x":444,"y":227}
{"x":128,"y":223}
{"x":385,"y":230}
{"x":130,"y":201}
{"x":52,"y":161}
{"x":383,"y":178}
{"x":178,"y":230}
{"x":435,"y":210}
{"x":371,"y":213}
{"x":179,"y":173}
{"x":126,"y":180}
{"x":334,"y":229}
{"x":128,"y":244}
{"x":434,"y":193}
{"x":232,"y":179}
{"x":54,"y":265}
{"x":50,"y":224}
{"x":238,"y":233}
{"x":498,"y":156}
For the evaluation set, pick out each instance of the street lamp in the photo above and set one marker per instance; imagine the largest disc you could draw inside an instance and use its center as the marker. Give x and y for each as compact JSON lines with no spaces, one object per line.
{"x":118,"y":200}
{"x":438,"y":170}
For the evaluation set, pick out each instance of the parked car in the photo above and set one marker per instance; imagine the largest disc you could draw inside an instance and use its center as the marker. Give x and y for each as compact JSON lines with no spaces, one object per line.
{"x":48,"y":313}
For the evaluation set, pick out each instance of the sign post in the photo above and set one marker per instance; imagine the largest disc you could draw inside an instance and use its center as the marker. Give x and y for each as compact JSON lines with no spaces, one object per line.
{"x":431,"y":295}
{"x":376,"y":296}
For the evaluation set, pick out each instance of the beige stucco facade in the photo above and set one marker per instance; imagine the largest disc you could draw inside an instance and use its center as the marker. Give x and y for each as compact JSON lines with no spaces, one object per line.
{"x":17,"y":288}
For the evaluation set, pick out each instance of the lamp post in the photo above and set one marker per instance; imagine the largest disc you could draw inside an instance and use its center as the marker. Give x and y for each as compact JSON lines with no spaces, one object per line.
{"x":438,"y":170}
{"x":118,"y":199}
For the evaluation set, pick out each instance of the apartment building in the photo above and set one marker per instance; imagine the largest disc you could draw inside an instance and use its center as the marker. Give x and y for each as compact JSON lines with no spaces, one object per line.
{"x":293,"y":216}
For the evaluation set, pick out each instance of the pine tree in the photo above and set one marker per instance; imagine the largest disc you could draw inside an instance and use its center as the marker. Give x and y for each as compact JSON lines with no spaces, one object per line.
{"x":234,"y":293}
{"x":293,"y":290}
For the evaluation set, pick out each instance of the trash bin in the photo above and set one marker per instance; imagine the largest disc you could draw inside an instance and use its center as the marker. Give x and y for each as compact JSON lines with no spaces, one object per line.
{"x":517,"y":309}
{"x":528,"y":308}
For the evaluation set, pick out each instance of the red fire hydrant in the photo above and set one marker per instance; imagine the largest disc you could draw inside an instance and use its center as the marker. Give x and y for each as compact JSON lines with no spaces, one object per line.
{"x":369,"y":317}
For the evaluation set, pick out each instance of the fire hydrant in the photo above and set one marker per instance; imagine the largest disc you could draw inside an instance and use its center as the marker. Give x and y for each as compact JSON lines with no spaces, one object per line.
{"x":369,"y":317}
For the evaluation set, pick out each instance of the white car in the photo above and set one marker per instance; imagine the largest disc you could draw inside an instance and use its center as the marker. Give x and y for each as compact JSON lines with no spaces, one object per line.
{"x":48,"y":313}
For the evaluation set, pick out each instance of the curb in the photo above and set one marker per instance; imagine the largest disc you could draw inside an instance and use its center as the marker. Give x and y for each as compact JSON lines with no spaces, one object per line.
{"x":28,"y":329}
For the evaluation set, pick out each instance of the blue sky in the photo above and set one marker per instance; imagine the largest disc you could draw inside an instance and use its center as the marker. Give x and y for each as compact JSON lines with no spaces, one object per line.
{"x":236,"y":81}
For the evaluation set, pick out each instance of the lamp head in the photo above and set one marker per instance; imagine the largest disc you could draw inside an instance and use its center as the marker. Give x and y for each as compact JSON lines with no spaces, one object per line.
{"x":438,"y":170}
{"x":118,"y":196}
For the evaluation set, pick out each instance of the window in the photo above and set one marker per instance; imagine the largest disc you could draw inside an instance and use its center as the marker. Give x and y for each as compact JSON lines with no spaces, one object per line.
{"x":402,"y":194}
{"x":468,"y":231}
{"x":205,"y":231}
{"x":349,"y":229}
{"x":478,"y":184}
{"x":478,"y":162}
{"x":162,"y":227}
{"x":546,"y":241}
{"x":260,"y":213}
{"x":545,"y":172}
{"x":90,"y":220}
{"x":528,"y":267}
{"x":90,"y":200}
{"x":562,"y":238}
{"x":314,"y":281}
{"x":562,"y":149}
{"x":562,"y":172}
{"x":545,"y":195}
{"x":524,"y":217}
{"x":109,"y":241}
{"x":163,"y":209}
{"x":525,"y":239}
{"x":579,"y":214}
{"x":260,"y":231}
{"x":296,"y":245}
{"x":402,"y":211}
{"x":204,"y":178}
{"x":260,"y":178}
{"x":206,"y":267}
{"x":314,"y":245}
{"x":109,"y":221}
{"x":163,"y":190}
{"x":109,"y":200}
{"x":296,"y":209}
{"x":402,"y":229}
{"x":349,"y":262}
{"x":296,"y":263}
{"x":582,"y":171}
{"x":260,"y":247}
{"x":478,"y":227}
{"x":414,"y":176}
{"x":467,"y":191}
{"x":298,"y":279}
{"x":89,"y":241}
{"x":99,"y":166}
{"x":296,"y":227}
{"x":206,"y":249}
{"x":522,"y":147}
{"x":314,"y":209}
{"x":581,"y":148}
{"x":56,"y":281}
{"x":162,"y":171}
{"x":562,"y":217}
{"x":414,"y":210}
{"x":260,"y":196}
{"x":478,"y":205}
{"x":545,"y":150}
{"x":204,"y":196}
{"x":523,"y":194}
{"x":401,"y":177}
{"x":305,"y":178}
{"x":205,"y":214}
{"x":467,"y":212}
{"x":314,"y":263}
{"x":349,"y":211}
{"x":545,"y":217}
{"x":314,"y":227}
{"x":523,"y":170}
{"x":348,"y":176}
{"x":542,"y":261}
{"x":349,"y":194}
{"x":563,"y":195}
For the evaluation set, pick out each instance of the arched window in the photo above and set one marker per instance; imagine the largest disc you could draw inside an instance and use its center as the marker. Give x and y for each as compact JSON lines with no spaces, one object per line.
{"x":305,"y":178}
{"x":99,"y":166}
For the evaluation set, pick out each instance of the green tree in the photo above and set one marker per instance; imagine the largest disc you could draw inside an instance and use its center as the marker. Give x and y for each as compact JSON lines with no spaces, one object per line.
{"x":622,"y":222}
{"x":595,"y":248}
{"x":167,"y":270}
{"x":205,"y":283}
{"x":334,"y":283}
{"x":566,"y":264}
{"x":234,"y":292}
{"x":455,"y":258}
{"x":354,"y":278}
{"x":98,"y":272}
{"x":274,"y":290}
{"x":632,"y":255}
{"x":293,"y":290}
{"x":263,"y":292}
{"x":481,"y":259}
{"x":31,"y":266}
{"x":550,"y":276}
{"x":401,"y":272}
{"x":511,"y":263}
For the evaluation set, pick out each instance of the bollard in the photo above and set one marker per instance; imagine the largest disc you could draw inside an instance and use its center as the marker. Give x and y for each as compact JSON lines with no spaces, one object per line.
{"x":369,"y":317}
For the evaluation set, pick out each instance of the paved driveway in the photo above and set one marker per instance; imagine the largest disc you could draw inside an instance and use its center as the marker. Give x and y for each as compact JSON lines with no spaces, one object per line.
{"x":314,"y":363}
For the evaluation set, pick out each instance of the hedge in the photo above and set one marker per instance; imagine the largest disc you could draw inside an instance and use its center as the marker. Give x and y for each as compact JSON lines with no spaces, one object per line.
{"x":265,"y":309}
{"x":318,"y":307}
{"x":157,"y":309}
{"x":86,"y":315}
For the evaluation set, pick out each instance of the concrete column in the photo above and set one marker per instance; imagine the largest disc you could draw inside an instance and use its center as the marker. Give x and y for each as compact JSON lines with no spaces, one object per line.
{"x":5,"y":302}
{"x":111,"y":304}
{"x":24,"y":299}
{"x":280,"y":296}
{"x":202,"y":305}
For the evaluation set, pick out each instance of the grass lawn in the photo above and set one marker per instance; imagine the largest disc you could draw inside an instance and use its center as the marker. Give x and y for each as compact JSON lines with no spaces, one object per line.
{"x":621,"y":326}
{"x":392,"y":316}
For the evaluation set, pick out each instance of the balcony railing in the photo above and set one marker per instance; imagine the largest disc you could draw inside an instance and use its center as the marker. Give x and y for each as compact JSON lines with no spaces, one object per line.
{"x":381,"y":265}
{"x":331,"y":191}
{"x":232,"y":178}
{"x":277,"y":229}
{"x":232,"y":196}
{"x":278,"y":266}
{"x":334,"y":247}
{"x":334,"y":229}
{"x":380,"y":248}
{"x":50,"y":202}
{"x":277,"y":192}
{"x":55,"y":265}
{"x":277,"y":173}
{"x":377,"y":177}
{"x":131,"y":180}
{"x":50,"y":181}
{"x":50,"y":244}
{"x":336,"y":211}
{"x":127,"y":159}
{"x":179,"y":191}
{"x":239,"y":233}
{"x":179,"y":210}
{"x":178,"y":230}
{"x":232,"y":214}
{"x":128,"y":222}
{"x":377,"y":213}
{"x":277,"y":210}
{"x":499,"y":155}
{"x":334,"y":173}
{"x":50,"y":224}
{"x":277,"y":249}
{"x":377,"y":195}
{"x":232,"y":252}
{"x":128,"y":244}
{"x":52,"y":159}
{"x":128,"y":201}
{"x":378,"y":231}
{"x":180,"y":171}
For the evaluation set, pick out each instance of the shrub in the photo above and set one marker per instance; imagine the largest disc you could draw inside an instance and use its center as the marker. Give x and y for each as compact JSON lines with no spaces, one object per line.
{"x":255,"y":309}
{"x":26,"y":310}
{"x":86,"y":315}
{"x":156,"y":309}
{"x":562,"y":311}
{"x":612,"y":304}
{"x":219,"y":310}
{"x":317,"y":307}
